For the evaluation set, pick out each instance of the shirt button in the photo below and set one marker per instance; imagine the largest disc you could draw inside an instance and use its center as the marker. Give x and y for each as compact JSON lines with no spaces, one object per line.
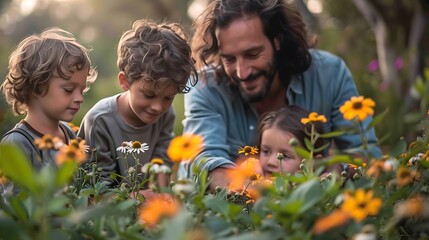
{"x":251,"y":127}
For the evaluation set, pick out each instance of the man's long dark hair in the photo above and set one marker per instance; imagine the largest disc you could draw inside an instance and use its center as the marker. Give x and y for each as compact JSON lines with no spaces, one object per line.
{"x":279,"y":20}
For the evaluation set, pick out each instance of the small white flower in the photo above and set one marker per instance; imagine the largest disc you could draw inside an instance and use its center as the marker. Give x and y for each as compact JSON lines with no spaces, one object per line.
{"x":183,"y":186}
{"x":125,"y":147}
{"x":131,"y":170}
{"x":164,"y":169}
{"x":146,"y":167}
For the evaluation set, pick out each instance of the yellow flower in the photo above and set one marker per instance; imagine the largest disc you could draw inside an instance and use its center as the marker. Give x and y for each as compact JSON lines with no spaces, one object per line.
{"x":361,"y":204}
{"x":358,"y":107}
{"x":48,"y":142}
{"x":70,"y":153}
{"x":335,"y":219}
{"x":248,"y":150}
{"x":80,"y":144}
{"x":158,"y":161}
{"x":405,"y":176}
{"x":151,"y":213}
{"x":184,"y":147}
{"x":313,"y":117}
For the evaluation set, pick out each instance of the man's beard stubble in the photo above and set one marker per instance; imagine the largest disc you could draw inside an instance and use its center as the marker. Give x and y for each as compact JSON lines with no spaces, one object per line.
{"x":269,"y":78}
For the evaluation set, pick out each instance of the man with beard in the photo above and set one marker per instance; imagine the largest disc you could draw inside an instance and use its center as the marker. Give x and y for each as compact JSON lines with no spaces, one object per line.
{"x":254,"y":58}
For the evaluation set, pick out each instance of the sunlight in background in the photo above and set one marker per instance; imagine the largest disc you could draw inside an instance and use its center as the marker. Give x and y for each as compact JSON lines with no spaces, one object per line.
{"x":27,"y":6}
{"x":196,"y":8}
{"x":315,"y":6}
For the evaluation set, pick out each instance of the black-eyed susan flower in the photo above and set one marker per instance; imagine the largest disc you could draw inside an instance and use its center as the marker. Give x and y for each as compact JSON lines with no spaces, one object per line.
{"x":158,"y":207}
{"x":314,"y":117}
{"x":243,"y":173}
{"x":361,"y":204}
{"x":358,"y":107}
{"x":80,"y":144}
{"x":248,"y":150}
{"x":138,"y":147}
{"x":184,"y":147}
{"x":48,"y":142}
{"x":405,"y":176}
{"x":70,"y":154}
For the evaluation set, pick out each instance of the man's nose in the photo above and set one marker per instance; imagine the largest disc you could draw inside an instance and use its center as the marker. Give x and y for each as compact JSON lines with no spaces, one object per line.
{"x":243,"y":69}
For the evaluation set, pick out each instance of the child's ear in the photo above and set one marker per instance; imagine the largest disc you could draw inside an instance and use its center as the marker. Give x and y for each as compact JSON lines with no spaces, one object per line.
{"x":122,"y":79}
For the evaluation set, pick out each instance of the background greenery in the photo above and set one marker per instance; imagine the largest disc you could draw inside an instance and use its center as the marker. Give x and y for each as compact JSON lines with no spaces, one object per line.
{"x":340,"y":28}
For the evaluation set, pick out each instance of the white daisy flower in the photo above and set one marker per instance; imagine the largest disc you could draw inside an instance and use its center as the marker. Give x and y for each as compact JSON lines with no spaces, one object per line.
{"x":138,"y":147}
{"x":125,"y":147}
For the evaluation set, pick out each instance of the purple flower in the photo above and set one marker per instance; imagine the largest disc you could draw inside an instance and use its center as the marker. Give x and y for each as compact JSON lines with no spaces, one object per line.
{"x":373,"y":65}
{"x":398,"y":64}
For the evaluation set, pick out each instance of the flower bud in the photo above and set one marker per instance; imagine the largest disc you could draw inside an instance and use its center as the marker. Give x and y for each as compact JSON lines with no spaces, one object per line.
{"x":293,"y":142}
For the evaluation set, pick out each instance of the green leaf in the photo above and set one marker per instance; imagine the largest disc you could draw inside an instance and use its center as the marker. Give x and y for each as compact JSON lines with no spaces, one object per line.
{"x":65,"y":173}
{"x":308,"y":144}
{"x":15,"y":166}
{"x":376,"y":120}
{"x":302,"y":152}
{"x":400,"y":147}
{"x":19,"y":209}
{"x":319,"y":149}
{"x":332,"y":134}
{"x":309,"y":193}
{"x":216,"y":205}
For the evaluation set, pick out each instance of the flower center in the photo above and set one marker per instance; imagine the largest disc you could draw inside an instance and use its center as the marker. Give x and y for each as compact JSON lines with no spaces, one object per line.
{"x":136,"y":144}
{"x":247,"y":149}
{"x":357,"y":105}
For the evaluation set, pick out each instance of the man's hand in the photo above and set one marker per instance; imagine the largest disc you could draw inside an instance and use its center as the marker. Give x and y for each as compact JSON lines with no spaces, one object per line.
{"x":218,"y":177}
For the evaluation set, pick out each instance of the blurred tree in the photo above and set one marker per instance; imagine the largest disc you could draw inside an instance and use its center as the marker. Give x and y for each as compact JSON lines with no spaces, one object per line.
{"x":386,"y":54}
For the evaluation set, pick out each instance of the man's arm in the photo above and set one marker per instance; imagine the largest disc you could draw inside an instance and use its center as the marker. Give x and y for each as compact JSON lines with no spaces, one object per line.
{"x":204,"y":116}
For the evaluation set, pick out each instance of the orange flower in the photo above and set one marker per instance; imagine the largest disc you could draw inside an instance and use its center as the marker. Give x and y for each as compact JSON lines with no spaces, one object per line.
{"x":247,"y":171}
{"x":184,"y":147}
{"x":379,"y":166}
{"x":361,"y":204}
{"x":248,"y":150}
{"x":335,"y":219}
{"x":80,"y":144}
{"x":48,"y":142}
{"x":3,"y":179}
{"x":357,"y":107}
{"x":73,"y":127}
{"x":70,"y":153}
{"x":313,"y":117}
{"x":151,"y":213}
{"x":405,"y":176}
